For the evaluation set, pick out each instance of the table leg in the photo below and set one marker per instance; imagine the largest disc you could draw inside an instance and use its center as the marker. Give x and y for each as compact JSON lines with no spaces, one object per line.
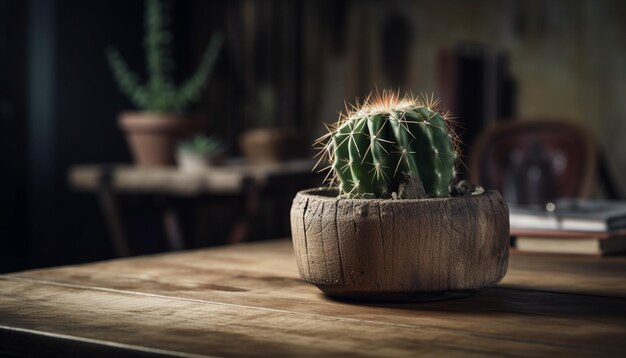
{"x":251,"y":199}
{"x":110,"y":210}
{"x":173,"y":233}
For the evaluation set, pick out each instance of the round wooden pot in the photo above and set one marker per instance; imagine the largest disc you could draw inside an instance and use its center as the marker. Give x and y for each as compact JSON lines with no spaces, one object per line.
{"x":400,"y":250}
{"x":153,"y":137}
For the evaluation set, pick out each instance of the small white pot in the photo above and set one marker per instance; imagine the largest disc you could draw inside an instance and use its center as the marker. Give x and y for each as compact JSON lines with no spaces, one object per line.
{"x":189,"y":161}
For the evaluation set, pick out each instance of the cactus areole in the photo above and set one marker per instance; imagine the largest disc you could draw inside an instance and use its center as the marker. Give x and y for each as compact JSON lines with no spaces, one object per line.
{"x":391,"y":146}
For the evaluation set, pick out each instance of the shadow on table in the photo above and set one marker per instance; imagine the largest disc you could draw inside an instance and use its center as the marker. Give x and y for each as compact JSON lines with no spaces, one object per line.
{"x":503,"y":300}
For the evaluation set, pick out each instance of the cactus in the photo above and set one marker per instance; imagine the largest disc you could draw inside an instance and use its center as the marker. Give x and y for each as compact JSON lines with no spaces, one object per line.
{"x":375,"y":146}
{"x":160,"y":94}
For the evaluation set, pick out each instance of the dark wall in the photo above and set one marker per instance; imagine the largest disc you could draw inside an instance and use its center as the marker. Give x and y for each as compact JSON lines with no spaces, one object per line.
{"x":73,"y":104}
{"x":13,"y":120}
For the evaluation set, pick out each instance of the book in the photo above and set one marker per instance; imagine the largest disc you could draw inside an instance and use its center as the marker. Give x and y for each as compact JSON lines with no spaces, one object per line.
{"x":573,"y":215}
{"x":580,"y":245}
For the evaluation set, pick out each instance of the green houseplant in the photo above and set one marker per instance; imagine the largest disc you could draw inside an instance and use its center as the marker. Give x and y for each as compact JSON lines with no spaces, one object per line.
{"x":392,"y":226}
{"x":198,"y":153}
{"x":154,"y":131}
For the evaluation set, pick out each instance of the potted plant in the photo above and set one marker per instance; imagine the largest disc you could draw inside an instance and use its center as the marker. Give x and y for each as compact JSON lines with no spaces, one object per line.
{"x":198,"y":153}
{"x":267,"y":142}
{"x":394,"y":227}
{"x":153,"y":132}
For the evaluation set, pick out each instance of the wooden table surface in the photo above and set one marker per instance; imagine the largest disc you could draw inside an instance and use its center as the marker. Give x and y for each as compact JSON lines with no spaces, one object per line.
{"x":247,"y":300}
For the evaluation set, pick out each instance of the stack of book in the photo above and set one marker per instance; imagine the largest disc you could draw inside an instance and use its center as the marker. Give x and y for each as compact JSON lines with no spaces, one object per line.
{"x":571,"y":226}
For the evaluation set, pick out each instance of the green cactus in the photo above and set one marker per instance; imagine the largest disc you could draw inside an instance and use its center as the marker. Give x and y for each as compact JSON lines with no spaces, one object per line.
{"x":160,"y":94}
{"x":374,"y":147}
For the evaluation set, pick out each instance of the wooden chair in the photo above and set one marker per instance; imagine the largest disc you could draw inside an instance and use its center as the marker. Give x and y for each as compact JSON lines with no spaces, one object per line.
{"x":534,"y":161}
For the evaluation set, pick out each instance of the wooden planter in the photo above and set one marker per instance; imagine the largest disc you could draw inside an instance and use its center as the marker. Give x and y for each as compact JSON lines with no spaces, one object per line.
{"x":400,"y":250}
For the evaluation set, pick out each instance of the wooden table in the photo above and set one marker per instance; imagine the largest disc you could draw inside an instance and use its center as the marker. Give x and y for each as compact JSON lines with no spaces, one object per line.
{"x":247,"y":300}
{"x":234,"y":177}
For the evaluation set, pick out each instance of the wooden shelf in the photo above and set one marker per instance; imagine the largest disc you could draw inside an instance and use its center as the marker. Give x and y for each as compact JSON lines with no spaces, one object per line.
{"x":226,"y":179}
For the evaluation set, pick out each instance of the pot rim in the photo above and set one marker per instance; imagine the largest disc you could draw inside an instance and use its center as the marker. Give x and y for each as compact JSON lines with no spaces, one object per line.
{"x":140,"y":113}
{"x":317,"y":194}
{"x":145,"y":121}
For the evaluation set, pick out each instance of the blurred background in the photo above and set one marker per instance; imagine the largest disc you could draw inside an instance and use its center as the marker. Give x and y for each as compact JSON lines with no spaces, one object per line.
{"x":538,"y":88}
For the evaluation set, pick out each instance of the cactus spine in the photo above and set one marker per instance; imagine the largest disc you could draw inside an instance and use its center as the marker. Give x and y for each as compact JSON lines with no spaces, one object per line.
{"x":375,"y":145}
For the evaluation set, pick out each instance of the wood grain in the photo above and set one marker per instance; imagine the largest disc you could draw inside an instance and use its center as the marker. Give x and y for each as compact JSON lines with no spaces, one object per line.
{"x":247,"y":300}
{"x":400,"y":249}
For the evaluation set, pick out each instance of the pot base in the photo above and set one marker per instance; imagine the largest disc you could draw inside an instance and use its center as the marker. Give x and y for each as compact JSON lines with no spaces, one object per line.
{"x":350,"y":295}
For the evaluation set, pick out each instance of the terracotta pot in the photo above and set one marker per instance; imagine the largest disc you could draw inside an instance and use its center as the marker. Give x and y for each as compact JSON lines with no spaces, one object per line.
{"x":400,"y":250}
{"x":152,"y":137}
{"x":270,"y":145}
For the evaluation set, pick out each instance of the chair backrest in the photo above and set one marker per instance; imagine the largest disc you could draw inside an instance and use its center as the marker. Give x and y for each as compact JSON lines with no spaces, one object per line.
{"x":534,"y":161}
